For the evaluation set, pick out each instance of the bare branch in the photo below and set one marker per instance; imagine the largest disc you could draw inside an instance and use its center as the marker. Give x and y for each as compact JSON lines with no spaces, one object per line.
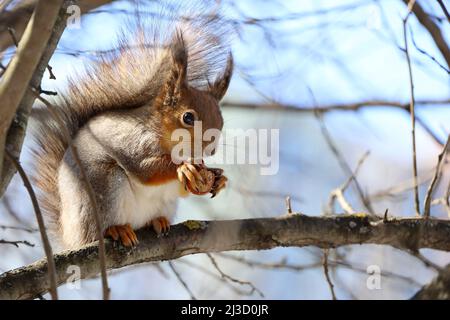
{"x":206,"y":271}
{"x":352,"y":106}
{"x":40,"y":220}
{"x":193,"y":237}
{"x":18,"y":17}
{"x":181,"y":280}
{"x":29,"y":230}
{"x":411,"y":4}
{"x":438,"y":289}
{"x":447,"y":199}
{"x":346,"y":168}
{"x":24,"y":71}
{"x":434,"y":181}
{"x":441,"y":3}
{"x":432,"y":28}
{"x":355,"y":106}
{"x":230,"y":278}
{"x":327,"y":274}
{"x":16,"y":243}
{"x":427,"y":54}
{"x":338,"y":193}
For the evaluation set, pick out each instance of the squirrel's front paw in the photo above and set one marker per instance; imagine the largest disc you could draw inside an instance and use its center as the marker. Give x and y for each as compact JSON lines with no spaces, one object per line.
{"x":124,"y":233}
{"x":196,"y":179}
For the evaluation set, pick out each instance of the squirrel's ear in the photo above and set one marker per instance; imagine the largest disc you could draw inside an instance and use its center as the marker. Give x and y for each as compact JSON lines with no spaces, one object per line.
{"x":220,"y":86}
{"x":178,"y":71}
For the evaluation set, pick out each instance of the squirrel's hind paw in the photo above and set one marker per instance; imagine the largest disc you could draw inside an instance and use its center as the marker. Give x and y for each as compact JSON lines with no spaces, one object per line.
{"x":161,"y":225}
{"x":124,"y":233}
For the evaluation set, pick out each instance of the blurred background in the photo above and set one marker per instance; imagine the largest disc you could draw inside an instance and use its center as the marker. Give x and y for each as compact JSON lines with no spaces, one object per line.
{"x":344,"y":59}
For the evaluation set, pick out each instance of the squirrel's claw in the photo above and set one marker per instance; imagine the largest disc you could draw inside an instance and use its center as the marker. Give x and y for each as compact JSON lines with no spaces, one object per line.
{"x":219,"y":183}
{"x":161,"y":225}
{"x":200,"y":180}
{"x":190,"y":177}
{"x":124,"y":233}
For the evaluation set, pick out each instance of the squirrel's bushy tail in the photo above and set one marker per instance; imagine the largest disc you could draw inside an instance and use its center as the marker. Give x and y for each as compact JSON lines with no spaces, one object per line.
{"x":128,"y":77}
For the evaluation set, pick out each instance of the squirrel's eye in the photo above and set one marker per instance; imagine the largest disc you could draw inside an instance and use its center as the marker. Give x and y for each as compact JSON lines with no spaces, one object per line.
{"x":189,"y":118}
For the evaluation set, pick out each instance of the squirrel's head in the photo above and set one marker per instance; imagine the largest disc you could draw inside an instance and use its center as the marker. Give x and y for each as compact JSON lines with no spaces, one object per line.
{"x":190,"y":118}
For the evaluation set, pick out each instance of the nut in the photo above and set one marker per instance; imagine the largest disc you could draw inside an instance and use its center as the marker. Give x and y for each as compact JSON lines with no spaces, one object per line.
{"x":208,"y":181}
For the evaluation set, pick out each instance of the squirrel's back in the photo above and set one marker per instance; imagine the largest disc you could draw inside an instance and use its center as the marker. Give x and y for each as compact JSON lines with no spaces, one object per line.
{"x":128,"y":77}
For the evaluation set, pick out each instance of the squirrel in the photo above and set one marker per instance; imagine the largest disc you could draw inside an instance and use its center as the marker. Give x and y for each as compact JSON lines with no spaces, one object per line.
{"x":120,"y":114}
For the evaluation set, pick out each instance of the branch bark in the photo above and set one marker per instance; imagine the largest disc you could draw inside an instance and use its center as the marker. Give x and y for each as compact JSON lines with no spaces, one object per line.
{"x":193,"y":237}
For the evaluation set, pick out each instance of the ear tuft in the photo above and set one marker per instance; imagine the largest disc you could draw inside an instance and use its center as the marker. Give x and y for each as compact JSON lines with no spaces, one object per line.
{"x":178,"y":71}
{"x":220,"y":86}
{"x":179,"y":51}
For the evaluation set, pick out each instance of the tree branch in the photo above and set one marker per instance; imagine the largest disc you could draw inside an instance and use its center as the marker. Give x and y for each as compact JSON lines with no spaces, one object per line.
{"x":351,"y":106}
{"x":444,"y":9}
{"x":26,"y":69}
{"x":432,"y":28}
{"x":193,"y":237}
{"x":438,"y":289}
{"x":17,"y":18}
{"x":40,"y":220}
{"x":412,"y":113}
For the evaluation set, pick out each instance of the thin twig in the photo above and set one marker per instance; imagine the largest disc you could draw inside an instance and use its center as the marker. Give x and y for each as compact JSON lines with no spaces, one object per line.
{"x":427,"y":262}
{"x":400,"y":188}
{"x":338,"y":193}
{"x":442,"y":201}
{"x":4,"y":5}
{"x":16,"y":243}
{"x":41,"y":224}
{"x":351,"y":106}
{"x":447,"y":199}
{"x":344,"y":165}
{"x":89,"y":189}
{"x":441,"y":3}
{"x":283,"y":264}
{"x":13,"y":36}
{"x":355,"y":106}
{"x":327,"y":274}
{"x":426,"y":53}
{"x":225,"y":276}
{"x":263,"y":193}
{"x":29,"y":230}
{"x":216,"y":277}
{"x":181,"y":280}
{"x":434,"y":181}
{"x":411,"y":108}
{"x":288,"y":205}
{"x":432,"y":28}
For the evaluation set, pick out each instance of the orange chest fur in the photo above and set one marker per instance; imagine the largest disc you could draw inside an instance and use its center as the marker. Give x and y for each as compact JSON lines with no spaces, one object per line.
{"x":160,"y":178}
{"x":163,"y":178}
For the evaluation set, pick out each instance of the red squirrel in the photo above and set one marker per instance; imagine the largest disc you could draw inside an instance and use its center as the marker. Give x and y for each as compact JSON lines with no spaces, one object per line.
{"x":120,"y":114}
